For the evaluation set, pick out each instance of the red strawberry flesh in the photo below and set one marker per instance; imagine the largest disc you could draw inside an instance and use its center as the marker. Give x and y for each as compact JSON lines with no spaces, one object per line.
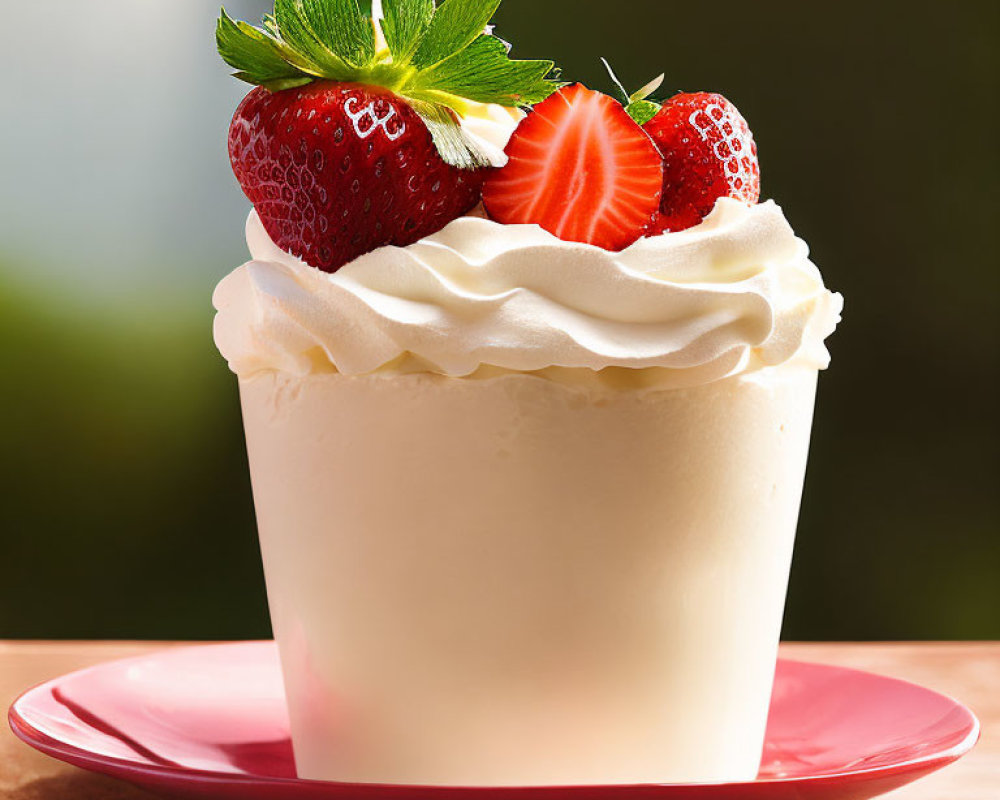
{"x":582,"y":169}
{"x":336,"y":170}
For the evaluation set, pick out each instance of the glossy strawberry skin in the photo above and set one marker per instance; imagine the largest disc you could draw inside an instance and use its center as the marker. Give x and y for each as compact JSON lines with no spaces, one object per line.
{"x":336,"y":170}
{"x":708,"y":153}
{"x":582,"y":169}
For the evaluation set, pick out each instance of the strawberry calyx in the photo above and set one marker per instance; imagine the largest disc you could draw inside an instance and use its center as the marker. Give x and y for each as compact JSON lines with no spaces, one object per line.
{"x":638,"y":104}
{"x":442,"y":59}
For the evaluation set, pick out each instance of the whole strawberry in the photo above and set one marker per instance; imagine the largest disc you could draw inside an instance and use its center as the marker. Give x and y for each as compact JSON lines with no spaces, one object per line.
{"x":347,"y":145}
{"x":336,"y":170}
{"x":708,"y":153}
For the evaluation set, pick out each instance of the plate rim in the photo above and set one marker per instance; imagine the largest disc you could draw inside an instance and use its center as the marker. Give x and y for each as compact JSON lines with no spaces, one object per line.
{"x":26,"y":732}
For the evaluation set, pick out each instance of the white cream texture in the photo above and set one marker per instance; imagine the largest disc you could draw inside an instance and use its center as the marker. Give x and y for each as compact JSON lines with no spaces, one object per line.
{"x":734,"y":294}
{"x":515,"y":581}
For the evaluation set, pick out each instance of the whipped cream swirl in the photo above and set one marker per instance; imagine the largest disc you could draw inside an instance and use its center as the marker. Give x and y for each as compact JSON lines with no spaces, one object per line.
{"x":734,"y":294}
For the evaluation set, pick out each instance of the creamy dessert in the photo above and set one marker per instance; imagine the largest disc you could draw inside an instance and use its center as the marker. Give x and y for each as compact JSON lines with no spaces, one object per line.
{"x":526,"y":474}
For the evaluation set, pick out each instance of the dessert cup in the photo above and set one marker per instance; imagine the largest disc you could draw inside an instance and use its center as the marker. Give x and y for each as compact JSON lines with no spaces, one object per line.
{"x":526,"y":473}
{"x":513,"y":578}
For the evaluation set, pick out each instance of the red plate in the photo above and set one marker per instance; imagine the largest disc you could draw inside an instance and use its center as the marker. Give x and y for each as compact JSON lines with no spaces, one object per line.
{"x":210,"y":722}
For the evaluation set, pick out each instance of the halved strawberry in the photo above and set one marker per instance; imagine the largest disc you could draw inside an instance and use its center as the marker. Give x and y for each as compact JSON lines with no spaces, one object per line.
{"x":581,"y":168}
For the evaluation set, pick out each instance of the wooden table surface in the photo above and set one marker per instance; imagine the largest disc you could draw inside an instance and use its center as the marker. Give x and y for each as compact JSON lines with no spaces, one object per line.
{"x":969,"y":672}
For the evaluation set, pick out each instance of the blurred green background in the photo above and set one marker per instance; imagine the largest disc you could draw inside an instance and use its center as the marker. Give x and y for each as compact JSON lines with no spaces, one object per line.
{"x":125,"y":508}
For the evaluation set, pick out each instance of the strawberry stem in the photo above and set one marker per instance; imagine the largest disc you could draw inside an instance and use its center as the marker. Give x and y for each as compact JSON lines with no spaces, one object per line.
{"x":616,"y":82}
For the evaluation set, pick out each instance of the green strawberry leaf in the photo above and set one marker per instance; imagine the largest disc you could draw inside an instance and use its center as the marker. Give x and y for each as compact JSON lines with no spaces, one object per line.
{"x":270,"y":25}
{"x":298,"y":34}
{"x":404,"y":24}
{"x":455,"y":25}
{"x":343,"y":29}
{"x":642,"y":111}
{"x":483,"y":72}
{"x":256,"y":56}
{"x":278,"y":84}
